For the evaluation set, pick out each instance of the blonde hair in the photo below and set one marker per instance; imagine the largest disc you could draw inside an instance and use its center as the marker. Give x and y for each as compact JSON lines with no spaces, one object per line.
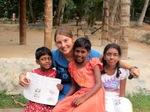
{"x":63,"y":31}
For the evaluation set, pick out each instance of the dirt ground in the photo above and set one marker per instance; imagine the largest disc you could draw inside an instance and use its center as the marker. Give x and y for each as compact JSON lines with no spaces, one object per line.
{"x":138,"y":53}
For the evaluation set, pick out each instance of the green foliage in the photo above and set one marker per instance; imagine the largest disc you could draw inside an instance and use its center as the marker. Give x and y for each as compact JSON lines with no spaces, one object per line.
{"x":140,"y":102}
{"x":69,"y":11}
{"x":138,"y":5}
{"x":89,"y":10}
{"x":6,"y":101}
{"x":93,"y":11}
{"x":80,"y":7}
{"x":38,"y":10}
{"x":136,"y":9}
{"x":7,"y":7}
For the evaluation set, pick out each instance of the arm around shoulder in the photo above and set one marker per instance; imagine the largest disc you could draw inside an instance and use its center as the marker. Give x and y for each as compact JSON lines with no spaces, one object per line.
{"x":133,"y":69}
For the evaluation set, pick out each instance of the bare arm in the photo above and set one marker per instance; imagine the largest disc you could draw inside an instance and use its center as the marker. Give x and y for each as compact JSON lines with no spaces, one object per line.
{"x":98,"y":82}
{"x":133,"y":70}
{"x":122,"y":87}
{"x":95,"y":89}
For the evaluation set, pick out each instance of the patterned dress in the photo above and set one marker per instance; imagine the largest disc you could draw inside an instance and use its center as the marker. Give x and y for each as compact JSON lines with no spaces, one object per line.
{"x":85,"y":78}
{"x":36,"y":107}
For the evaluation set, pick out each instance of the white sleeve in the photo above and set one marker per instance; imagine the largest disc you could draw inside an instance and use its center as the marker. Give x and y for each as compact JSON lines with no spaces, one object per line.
{"x":124,"y":73}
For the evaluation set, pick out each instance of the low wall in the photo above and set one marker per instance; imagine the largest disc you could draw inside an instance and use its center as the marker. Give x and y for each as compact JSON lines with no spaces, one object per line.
{"x":10,"y":68}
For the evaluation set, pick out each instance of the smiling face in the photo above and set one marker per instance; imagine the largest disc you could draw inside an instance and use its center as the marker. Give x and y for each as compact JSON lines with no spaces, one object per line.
{"x":112,"y":57}
{"x":80,"y":55}
{"x":45,"y":62}
{"x":64,"y":44}
{"x":81,"y":49}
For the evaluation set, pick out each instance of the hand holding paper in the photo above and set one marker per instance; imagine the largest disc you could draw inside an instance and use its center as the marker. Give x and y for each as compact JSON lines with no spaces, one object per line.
{"x":42,"y":89}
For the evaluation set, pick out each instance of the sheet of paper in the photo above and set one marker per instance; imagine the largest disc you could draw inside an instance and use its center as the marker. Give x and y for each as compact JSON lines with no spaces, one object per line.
{"x":42,"y":89}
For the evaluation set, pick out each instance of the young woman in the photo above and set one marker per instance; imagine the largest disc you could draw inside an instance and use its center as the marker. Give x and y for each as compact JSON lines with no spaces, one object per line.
{"x":114,"y":80}
{"x":87,"y":92}
{"x":64,"y":41}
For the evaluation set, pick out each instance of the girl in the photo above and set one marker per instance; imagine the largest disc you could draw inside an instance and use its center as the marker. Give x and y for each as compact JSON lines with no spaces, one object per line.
{"x":44,"y":58}
{"x":86,"y":93}
{"x":114,"y":80}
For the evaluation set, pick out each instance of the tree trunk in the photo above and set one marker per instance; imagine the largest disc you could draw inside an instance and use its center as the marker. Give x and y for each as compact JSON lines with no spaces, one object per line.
{"x":60,"y":11}
{"x":113,"y":13}
{"x":125,"y":21}
{"x":140,"y":21}
{"x":48,"y":23}
{"x":22,"y":22}
{"x":31,"y":11}
{"x":105,"y":28}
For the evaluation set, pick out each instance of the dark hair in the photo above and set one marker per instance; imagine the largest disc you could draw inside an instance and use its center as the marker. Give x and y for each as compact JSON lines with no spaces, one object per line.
{"x":42,"y":51}
{"x":117,"y":47}
{"x":63,"y":31}
{"x":112,"y":45}
{"x":82,"y":42}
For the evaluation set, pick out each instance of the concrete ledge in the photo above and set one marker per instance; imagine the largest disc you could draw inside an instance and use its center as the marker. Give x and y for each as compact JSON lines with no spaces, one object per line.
{"x":11,"y":110}
{"x":10,"y":68}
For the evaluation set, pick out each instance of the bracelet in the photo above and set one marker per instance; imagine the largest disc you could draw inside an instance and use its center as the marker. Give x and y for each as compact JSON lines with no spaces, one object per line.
{"x":132,"y":67}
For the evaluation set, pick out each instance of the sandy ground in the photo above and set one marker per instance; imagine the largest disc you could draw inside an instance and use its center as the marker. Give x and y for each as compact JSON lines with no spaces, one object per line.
{"x":138,"y":54}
